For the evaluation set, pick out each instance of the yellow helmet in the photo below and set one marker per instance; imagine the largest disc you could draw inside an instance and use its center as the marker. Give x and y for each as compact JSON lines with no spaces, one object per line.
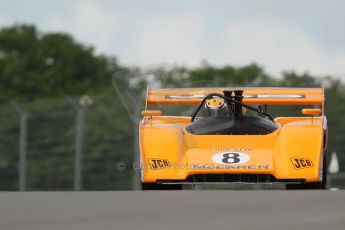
{"x":215,"y":103}
{"x":215,"y":107}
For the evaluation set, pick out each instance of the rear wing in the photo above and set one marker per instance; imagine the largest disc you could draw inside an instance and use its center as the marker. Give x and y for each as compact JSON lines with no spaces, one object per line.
{"x":257,"y":95}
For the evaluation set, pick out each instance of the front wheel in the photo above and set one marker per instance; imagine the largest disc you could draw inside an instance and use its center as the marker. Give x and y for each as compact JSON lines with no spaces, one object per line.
{"x":313,"y":185}
{"x":155,"y":186}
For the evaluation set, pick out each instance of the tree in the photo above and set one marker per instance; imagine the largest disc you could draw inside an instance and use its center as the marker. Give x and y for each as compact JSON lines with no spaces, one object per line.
{"x":35,"y":65}
{"x":230,"y":76}
{"x":292,"y":79}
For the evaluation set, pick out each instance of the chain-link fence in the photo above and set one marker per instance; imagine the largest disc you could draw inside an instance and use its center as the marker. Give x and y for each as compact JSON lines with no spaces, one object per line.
{"x":66,"y":145}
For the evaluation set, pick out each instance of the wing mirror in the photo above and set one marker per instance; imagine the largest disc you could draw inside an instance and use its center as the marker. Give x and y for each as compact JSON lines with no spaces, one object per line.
{"x":313,"y":112}
{"x":151,"y":113}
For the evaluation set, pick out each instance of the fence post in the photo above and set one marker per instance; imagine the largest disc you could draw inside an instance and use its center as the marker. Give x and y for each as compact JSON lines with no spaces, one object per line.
{"x":80,"y":107}
{"x":136,"y":160}
{"x":22,"y":173}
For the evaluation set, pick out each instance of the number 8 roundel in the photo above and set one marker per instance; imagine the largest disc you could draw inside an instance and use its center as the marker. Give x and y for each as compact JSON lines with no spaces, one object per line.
{"x":230,"y":158}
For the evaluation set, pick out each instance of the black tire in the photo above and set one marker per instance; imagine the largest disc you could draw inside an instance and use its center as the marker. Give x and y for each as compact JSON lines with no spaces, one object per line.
{"x":313,"y":185}
{"x":305,"y":186}
{"x":155,"y":186}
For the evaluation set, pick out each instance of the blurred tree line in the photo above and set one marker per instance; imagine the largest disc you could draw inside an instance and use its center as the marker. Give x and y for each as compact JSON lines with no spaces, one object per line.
{"x":39,"y":70}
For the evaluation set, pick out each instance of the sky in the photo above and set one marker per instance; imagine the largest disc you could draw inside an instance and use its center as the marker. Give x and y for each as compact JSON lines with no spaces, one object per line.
{"x":284,"y":35}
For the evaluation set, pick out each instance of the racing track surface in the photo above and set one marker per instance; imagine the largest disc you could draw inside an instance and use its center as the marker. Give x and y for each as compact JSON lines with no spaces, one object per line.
{"x":173,"y":210}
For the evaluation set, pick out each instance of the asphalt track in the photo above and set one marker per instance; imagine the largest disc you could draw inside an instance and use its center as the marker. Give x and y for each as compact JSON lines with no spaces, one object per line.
{"x":172,"y":210}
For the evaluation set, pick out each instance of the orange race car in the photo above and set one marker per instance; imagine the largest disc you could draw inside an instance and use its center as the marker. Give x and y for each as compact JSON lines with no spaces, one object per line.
{"x":230,"y":137}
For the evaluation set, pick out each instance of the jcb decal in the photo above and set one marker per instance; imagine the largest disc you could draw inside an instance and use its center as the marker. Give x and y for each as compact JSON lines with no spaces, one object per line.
{"x":301,"y":163}
{"x":156,"y":163}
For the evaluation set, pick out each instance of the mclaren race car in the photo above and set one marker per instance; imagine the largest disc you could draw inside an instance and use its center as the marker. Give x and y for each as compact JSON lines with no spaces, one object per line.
{"x":230,"y":137}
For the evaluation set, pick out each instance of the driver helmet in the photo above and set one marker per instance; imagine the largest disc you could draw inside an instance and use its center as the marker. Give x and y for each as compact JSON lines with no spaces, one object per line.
{"x":215,"y":107}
